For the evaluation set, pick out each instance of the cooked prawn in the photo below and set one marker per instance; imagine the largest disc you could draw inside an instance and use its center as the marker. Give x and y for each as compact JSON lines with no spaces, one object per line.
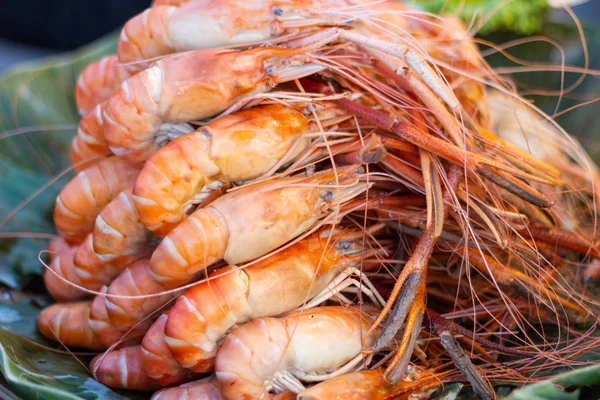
{"x":157,"y":361}
{"x":249,"y":223}
{"x":144,"y":112}
{"x":68,"y":323}
{"x":271,"y":354}
{"x":203,"y":314}
{"x":119,"y":236}
{"x":89,"y":145}
{"x":61,"y":264}
{"x":238,"y":147}
{"x":205,"y":389}
{"x":98,"y":81}
{"x":122,"y":369}
{"x":176,"y":26}
{"x":80,"y":201}
{"x":369,"y":385}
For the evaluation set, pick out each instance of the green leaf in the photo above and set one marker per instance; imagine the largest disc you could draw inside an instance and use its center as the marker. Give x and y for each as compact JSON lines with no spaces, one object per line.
{"x":41,"y":95}
{"x":552,"y":389}
{"x":35,"y":372}
{"x":521,"y":16}
{"x":38,"y":120}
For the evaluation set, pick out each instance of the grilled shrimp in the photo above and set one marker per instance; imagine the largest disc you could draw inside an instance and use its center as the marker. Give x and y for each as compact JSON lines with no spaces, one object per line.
{"x":192,"y":25}
{"x":98,"y":81}
{"x":157,"y":361}
{"x":122,"y":369}
{"x":238,"y":226}
{"x":249,"y":223}
{"x":92,"y":272}
{"x":119,"y":236}
{"x":89,"y":145}
{"x":232,"y":296}
{"x":79,"y":203}
{"x":61,"y":262}
{"x":269,"y":354}
{"x":368,"y":385}
{"x":68,"y":323}
{"x":237,"y":147}
{"x":124,"y":313}
{"x":204,"y":389}
{"x":143,"y":114}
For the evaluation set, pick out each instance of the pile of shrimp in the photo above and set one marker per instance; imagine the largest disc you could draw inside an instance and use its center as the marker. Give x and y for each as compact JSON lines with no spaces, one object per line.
{"x":316,"y":200}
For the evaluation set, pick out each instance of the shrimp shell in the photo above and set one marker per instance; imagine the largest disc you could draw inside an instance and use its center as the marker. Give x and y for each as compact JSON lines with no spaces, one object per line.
{"x":80,"y":201}
{"x":135,"y":114}
{"x":119,"y":237}
{"x":238,"y":147}
{"x":93,"y":273}
{"x":61,"y":262}
{"x":125,"y":313}
{"x":204,"y":389}
{"x":204,"y":313}
{"x":122,"y":369}
{"x":68,"y":323}
{"x":98,"y":81}
{"x":157,"y":360}
{"x":319,"y":339}
{"x":249,"y":223}
{"x":88,"y":145}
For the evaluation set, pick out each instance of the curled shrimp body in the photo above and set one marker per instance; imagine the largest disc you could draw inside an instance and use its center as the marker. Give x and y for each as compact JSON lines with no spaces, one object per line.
{"x":268,"y":353}
{"x":249,"y":223}
{"x":61,"y":264}
{"x":89,"y":145}
{"x":122,"y":369}
{"x":68,"y":323}
{"x":157,"y":361}
{"x":191,"y":86}
{"x":172,"y":27}
{"x":204,"y":389}
{"x":203,"y":314}
{"x":125,"y":313}
{"x":238,"y":147}
{"x":119,"y":237}
{"x":91,"y":271}
{"x":98,"y":81}
{"x":79,"y":203}
{"x":193,"y":25}
{"x":100,"y":324}
{"x":367,"y":385}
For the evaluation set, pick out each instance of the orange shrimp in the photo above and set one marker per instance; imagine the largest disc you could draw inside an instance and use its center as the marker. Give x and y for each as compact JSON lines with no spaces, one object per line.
{"x":92,"y":272}
{"x":122,"y":369}
{"x":204,"y":389}
{"x":171,"y":27}
{"x":369,"y":385}
{"x":125,"y":313}
{"x":157,"y":361}
{"x":250,"y":222}
{"x":144,"y":113}
{"x":68,"y":323}
{"x":271,"y":354}
{"x":89,"y":145}
{"x":97,"y":82}
{"x":238,"y":147}
{"x":80,"y":201}
{"x":119,"y":236}
{"x":204,"y":313}
{"x":61,"y":262}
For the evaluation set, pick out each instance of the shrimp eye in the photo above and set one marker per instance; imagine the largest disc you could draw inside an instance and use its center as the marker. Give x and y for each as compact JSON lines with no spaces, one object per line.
{"x":345,"y":245}
{"x":278,"y":11}
{"x":329,"y":196}
{"x":270,"y":70}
